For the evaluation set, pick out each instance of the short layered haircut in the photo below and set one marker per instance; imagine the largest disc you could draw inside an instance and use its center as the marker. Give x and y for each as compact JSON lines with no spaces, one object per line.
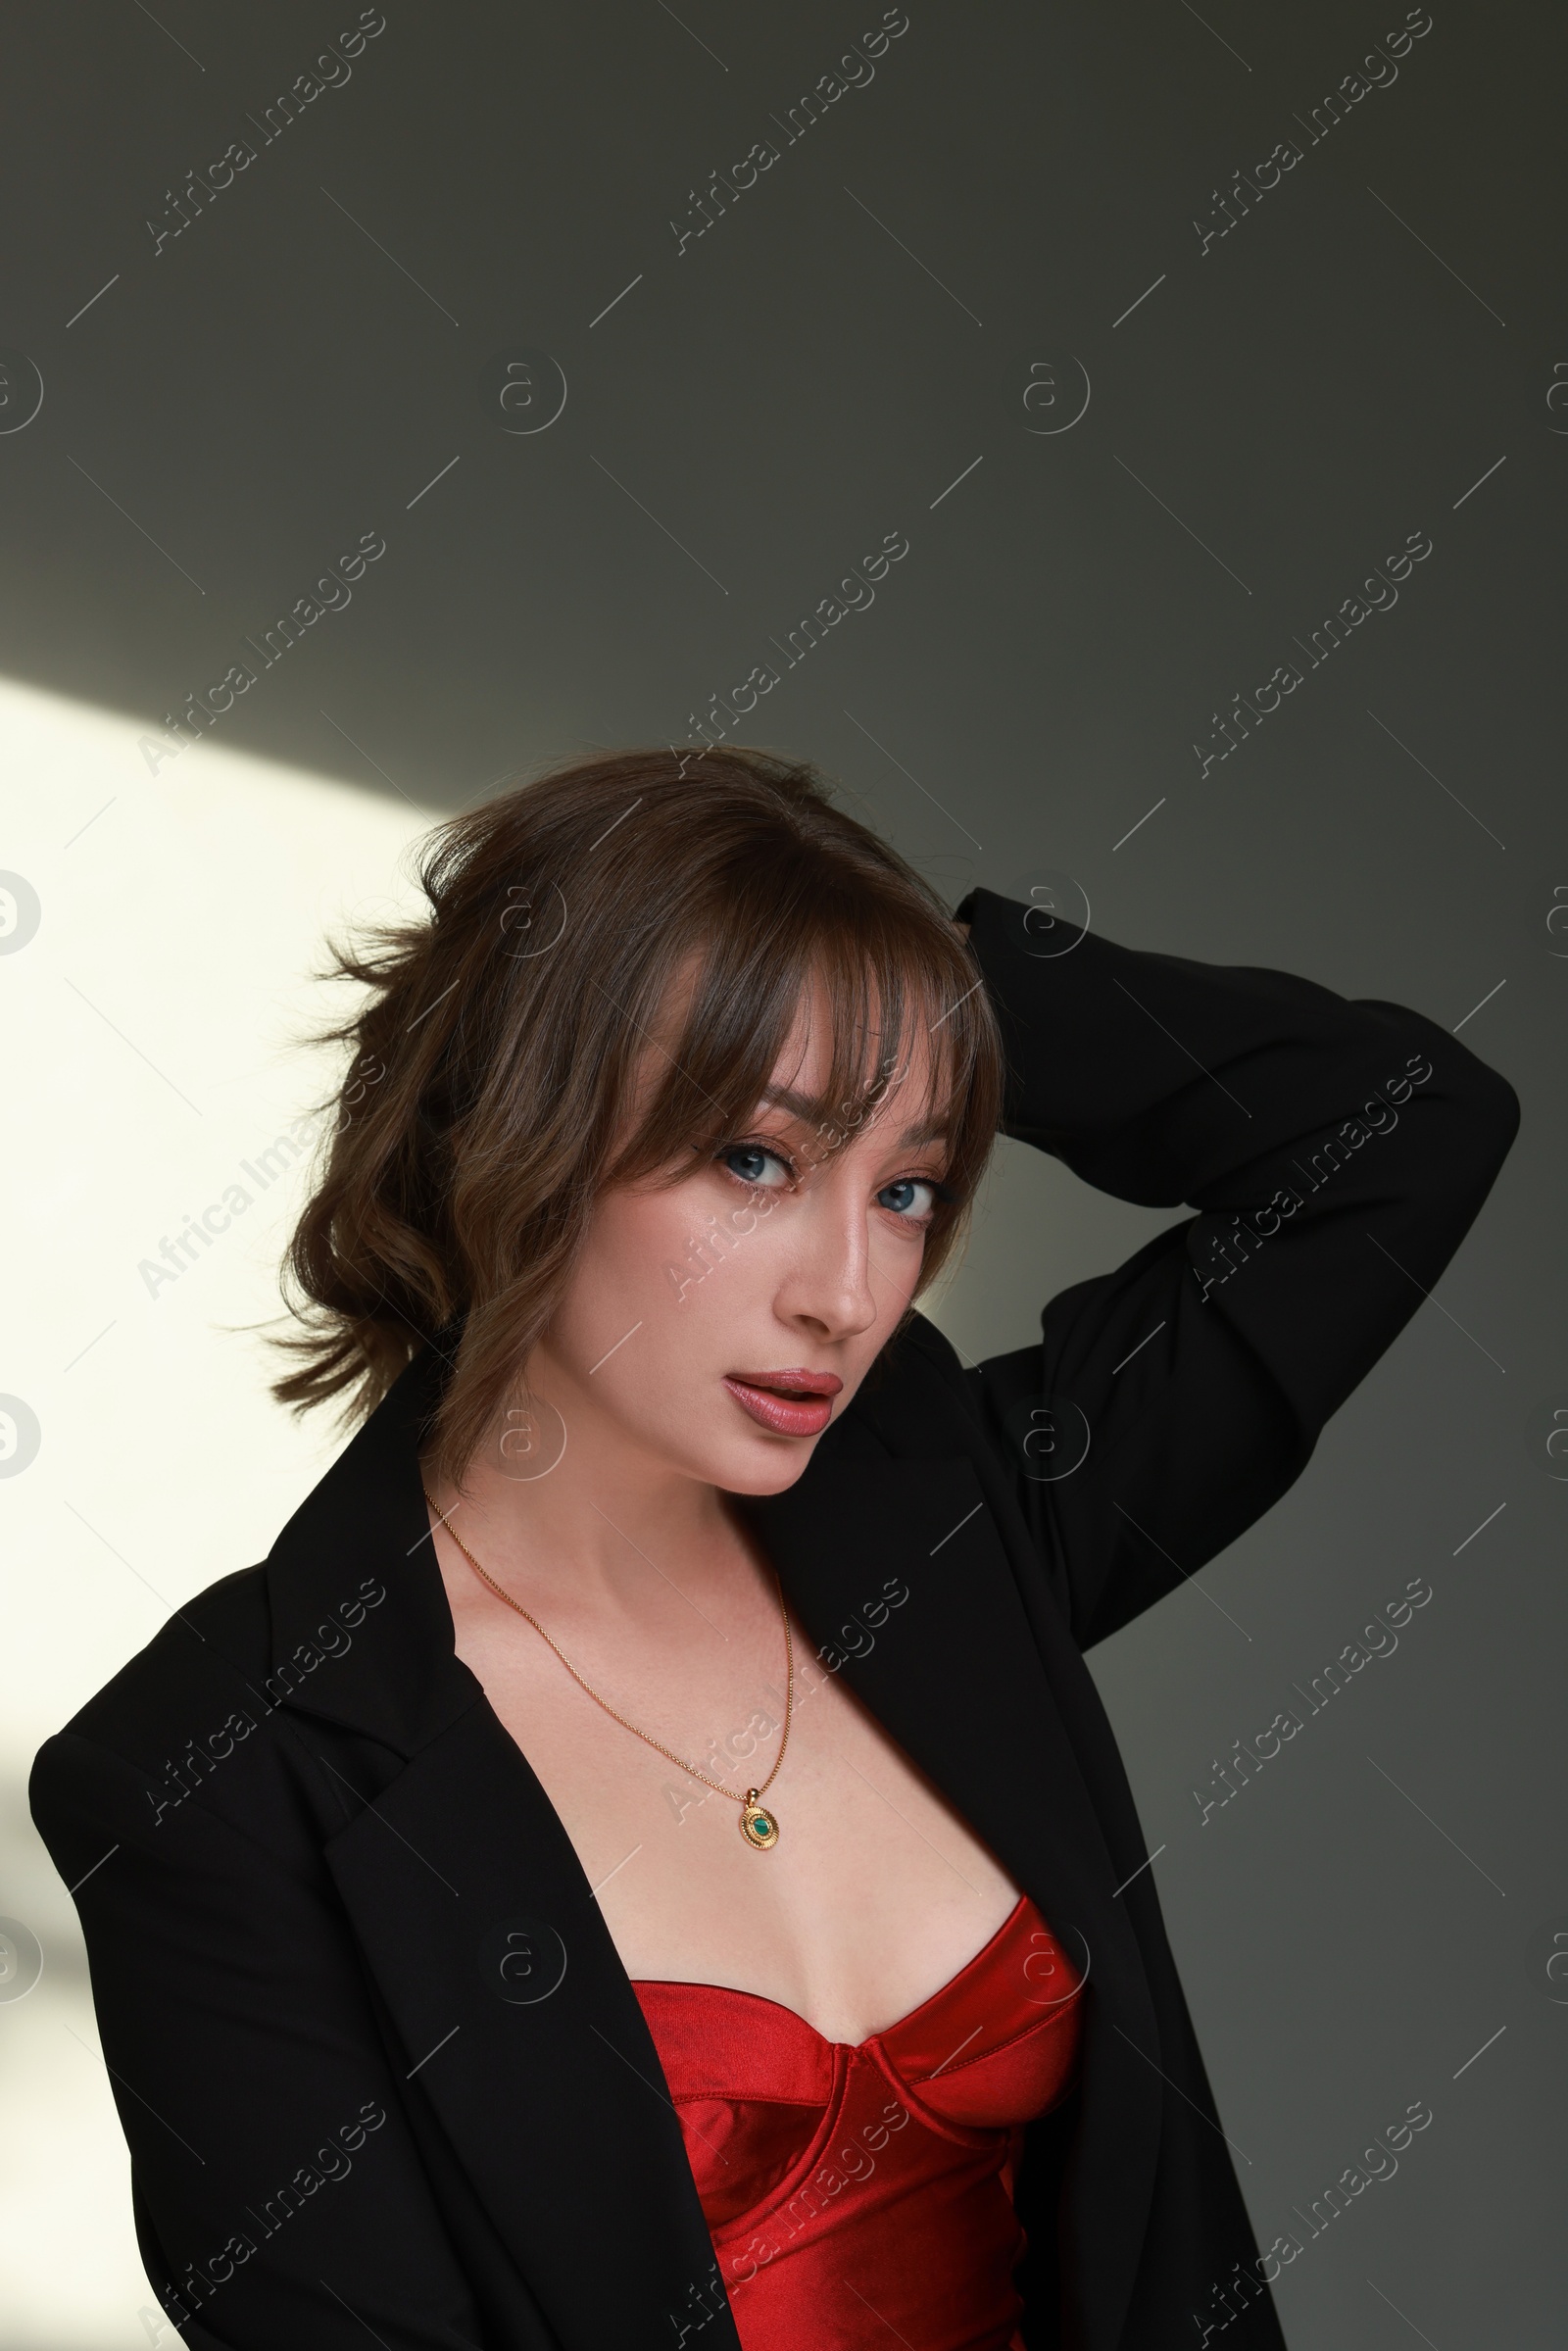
{"x":613,"y":958}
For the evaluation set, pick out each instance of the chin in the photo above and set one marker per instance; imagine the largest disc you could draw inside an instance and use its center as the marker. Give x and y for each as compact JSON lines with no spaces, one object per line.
{"x":767,"y":1468}
{"x":745,"y":1463}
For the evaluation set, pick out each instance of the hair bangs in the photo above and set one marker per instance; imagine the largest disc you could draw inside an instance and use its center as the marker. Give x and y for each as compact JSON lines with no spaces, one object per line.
{"x":899,"y":1002}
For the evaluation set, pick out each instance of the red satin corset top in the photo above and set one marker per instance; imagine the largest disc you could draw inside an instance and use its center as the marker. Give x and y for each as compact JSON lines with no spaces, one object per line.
{"x":863,"y":2194}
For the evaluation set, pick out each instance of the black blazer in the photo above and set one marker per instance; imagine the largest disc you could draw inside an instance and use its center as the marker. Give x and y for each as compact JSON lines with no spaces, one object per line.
{"x":303,"y":1846}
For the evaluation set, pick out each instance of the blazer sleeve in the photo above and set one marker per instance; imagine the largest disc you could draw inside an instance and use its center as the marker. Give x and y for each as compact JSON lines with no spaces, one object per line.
{"x":1336,"y":1153}
{"x":278,"y":2192}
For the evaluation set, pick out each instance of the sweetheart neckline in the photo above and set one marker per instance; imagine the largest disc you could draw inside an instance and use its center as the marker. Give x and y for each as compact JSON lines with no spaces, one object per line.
{"x":736,"y":1992}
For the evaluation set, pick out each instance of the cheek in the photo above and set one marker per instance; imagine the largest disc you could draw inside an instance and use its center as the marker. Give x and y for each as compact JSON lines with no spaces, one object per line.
{"x":625,"y":1270}
{"x":670,"y":1261}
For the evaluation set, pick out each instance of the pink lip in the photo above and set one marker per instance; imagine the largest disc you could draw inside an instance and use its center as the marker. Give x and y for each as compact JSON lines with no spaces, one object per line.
{"x":803,"y":1412}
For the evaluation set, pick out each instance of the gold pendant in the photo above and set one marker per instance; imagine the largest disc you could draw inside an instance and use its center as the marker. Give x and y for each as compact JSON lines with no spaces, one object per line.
{"x":759,"y":1828}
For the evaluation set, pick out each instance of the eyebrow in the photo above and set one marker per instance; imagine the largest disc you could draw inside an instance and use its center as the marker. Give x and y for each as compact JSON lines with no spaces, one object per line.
{"x":926,"y":1130}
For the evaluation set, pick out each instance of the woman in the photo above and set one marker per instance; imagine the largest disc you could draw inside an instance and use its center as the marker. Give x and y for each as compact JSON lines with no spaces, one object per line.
{"x":644,"y":1859}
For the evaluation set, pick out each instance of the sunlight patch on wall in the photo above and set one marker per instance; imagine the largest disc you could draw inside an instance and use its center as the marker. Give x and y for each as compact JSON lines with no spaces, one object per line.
{"x":157,"y":932}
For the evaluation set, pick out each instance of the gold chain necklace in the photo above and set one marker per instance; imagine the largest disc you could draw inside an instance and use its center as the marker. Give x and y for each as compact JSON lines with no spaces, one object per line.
{"x":759,"y":1827}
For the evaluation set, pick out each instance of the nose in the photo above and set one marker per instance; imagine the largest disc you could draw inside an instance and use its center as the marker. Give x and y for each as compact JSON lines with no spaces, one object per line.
{"x":827,"y":1291}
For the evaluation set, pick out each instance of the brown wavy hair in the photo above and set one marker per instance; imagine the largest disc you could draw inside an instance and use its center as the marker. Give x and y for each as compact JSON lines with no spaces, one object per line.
{"x":486,"y":1098}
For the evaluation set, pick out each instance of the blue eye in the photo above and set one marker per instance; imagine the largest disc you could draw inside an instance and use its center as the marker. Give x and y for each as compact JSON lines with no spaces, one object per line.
{"x":751,"y":1163}
{"x":903,"y":1198}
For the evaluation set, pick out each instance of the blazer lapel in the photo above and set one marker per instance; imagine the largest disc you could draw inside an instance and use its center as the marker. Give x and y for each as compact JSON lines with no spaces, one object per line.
{"x":956,"y":1673}
{"x":523,"y":2035}
{"x":519,"y":2025}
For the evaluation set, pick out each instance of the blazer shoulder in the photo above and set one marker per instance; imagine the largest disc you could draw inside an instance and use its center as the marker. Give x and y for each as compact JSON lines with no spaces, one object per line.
{"x":214,"y":1648}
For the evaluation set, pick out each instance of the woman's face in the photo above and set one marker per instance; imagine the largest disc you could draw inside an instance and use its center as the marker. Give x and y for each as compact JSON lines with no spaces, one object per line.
{"x":717,"y":1324}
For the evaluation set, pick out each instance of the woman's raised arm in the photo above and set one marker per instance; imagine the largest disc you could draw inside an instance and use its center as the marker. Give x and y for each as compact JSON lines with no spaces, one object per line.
{"x":1337,"y":1152}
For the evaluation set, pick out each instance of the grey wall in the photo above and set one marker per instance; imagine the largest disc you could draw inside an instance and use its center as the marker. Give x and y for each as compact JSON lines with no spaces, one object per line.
{"x":1019,"y":196}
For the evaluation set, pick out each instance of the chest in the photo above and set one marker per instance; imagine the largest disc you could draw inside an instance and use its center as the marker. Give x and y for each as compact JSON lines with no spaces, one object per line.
{"x":877,"y":1889}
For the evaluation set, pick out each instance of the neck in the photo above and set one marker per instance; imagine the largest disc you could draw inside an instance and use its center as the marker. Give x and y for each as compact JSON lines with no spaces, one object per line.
{"x":563,"y":1504}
